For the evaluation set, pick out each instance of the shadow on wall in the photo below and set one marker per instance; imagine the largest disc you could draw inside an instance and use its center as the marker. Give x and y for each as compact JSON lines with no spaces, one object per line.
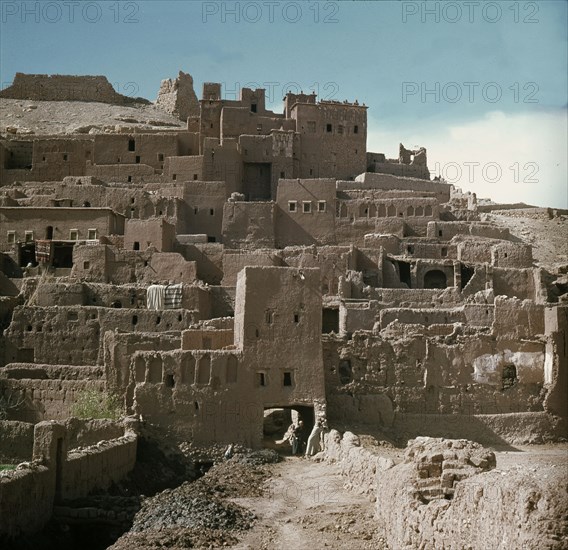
{"x":501,"y":431}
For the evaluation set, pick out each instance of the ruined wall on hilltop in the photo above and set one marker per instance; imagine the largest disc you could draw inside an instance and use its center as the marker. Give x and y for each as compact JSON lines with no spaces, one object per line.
{"x":43,"y":87}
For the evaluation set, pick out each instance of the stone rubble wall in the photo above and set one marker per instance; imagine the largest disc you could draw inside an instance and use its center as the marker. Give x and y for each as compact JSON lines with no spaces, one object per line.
{"x":358,"y":465}
{"x":443,"y":495}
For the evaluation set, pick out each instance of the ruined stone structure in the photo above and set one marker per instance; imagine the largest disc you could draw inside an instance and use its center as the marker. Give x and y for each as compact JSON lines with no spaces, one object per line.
{"x":259,"y":260}
{"x":178,"y":97}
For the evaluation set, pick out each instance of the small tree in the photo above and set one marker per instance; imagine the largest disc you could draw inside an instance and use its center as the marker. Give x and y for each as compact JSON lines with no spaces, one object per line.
{"x":9,"y":401}
{"x":96,"y":404}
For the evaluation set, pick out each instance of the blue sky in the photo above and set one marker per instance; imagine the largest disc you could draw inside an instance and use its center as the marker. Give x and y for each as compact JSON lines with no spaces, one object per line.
{"x":482,"y":85}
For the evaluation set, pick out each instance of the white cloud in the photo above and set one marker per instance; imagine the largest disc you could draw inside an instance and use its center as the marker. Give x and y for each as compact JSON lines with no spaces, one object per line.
{"x":519,"y":157}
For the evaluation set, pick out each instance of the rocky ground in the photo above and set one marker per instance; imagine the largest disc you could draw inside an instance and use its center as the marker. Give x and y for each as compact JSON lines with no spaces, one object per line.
{"x":548,"y":236}
{"x":257,"y":504}
{"x":20,"y":116}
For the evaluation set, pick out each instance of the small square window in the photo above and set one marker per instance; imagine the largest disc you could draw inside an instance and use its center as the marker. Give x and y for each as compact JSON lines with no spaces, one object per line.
{"x":440,"y":233}
{"x":129,"y":179}
{"x":174,"y":177}
{"x":253,"y":108}
{"x":160,"y":157}
{"x":11,"y":237}
{"x":292,"y":206}
{"x":296,"y":317}
{"x":211,"y":211}
{"x":29,"y":236}
{"x":131,"y":145}
{"x":444,"y":252}
{"x":73,"y":234}
{"x":86,"y":265}
{"x":322,"y":206}
{"x":340,"y":129}
{"x":136,"y":245}
{"x":311,"y":172}
{"x":287,"y":381}
{"x":65,"y":156}
{"x":355,"y":129}
{"x":282,"y":174}
{"x":306,"y":207}
{"x":195,"y":177}
{"x":328,"y":128}
{"x":261,"y":378}
{"x":137,"y":159}
{"x":92,"y":234}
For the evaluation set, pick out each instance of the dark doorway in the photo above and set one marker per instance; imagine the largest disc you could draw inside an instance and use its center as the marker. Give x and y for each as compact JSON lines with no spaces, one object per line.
{"x":467,"y":272}
{"x":404,"y":273}
{"x":27,"y":255}
{"x":257,"y":181}
{"x":63,"y":255}
{"x":435,"y":279}
{"x":330,"y":320}
{"x":49,"y":232}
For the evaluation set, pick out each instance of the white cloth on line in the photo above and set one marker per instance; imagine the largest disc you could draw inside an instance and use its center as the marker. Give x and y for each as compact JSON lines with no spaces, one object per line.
{"x":155,"y":296}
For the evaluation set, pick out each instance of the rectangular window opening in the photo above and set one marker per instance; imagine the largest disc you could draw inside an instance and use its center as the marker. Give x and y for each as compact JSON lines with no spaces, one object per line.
{"x":287,"y":379}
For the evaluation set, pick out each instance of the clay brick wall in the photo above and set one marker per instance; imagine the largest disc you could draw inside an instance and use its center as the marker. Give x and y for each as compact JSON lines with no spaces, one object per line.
{"x":98,"y":466}
{"x":330,"y":144}
{"x":103,"y":220}
{"x":306,"y":212}
{"x":248,"y":225}
{"x":153,"y":232}
{"x":387,"y":182}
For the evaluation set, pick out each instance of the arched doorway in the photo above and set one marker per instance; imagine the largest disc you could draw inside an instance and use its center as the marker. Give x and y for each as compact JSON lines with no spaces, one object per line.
{"x":435,"y":279}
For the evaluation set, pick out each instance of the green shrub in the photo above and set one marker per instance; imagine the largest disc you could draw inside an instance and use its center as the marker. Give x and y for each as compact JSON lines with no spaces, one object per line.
{"x":96,"y":404}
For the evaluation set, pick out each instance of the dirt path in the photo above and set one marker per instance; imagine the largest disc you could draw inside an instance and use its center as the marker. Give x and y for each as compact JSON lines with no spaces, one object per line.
{"x":306,"y":507}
